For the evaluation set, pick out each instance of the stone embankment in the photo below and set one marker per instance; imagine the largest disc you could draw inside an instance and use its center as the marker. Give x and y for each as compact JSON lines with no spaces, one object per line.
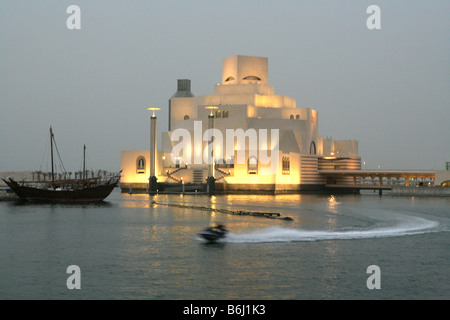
{"x":421,"y":191}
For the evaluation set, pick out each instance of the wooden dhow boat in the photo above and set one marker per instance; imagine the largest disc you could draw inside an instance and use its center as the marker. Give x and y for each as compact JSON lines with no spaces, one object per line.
{"x":72,"y":190}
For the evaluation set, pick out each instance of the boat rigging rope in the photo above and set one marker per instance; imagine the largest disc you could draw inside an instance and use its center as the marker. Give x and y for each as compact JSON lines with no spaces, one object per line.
{"x":57,"y":152}
{"x":44,"y":155}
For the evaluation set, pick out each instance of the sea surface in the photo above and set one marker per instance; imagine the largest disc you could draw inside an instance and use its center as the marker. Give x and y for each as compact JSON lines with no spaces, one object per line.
{"x":127,"y":248}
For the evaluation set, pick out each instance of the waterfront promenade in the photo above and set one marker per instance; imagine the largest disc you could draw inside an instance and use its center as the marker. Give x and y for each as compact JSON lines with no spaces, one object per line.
{"x":401,"y":182}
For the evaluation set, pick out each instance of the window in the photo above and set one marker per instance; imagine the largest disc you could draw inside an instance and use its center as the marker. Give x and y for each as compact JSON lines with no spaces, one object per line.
{"x":252,"y":78}
{"x":286,"y":165}
{"x":140,"y":165}
{"x":186,"y":117}
{"x":252,"y":165}
{"x":297,"y":117}
{"x":229,"y":79}
{"x":312,"y":148}
{"x":218,"y":114}
{"x":446,"y":184}
{"x":225,"y":114}
{"x":291,"y":117}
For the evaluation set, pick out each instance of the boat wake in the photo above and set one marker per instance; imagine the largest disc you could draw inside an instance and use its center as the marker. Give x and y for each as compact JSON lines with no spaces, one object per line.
{"x":412,"y":226}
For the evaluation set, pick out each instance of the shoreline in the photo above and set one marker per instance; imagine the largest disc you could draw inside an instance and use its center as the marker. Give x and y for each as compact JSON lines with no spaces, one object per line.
{"x":8,"y":196}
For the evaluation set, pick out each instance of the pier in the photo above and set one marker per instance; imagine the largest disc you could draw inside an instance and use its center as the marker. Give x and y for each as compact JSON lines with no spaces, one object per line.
{"x":383,"y":178}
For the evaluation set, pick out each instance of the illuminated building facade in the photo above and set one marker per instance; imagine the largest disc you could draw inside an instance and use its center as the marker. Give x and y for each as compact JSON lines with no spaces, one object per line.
{"x":244,"y":103}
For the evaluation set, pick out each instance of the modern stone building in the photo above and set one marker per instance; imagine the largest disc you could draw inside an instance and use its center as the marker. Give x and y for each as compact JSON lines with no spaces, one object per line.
{"x":262,"y":141}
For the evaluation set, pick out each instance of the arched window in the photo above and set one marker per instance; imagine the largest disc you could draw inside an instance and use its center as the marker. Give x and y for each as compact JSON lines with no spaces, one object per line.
{"x":225,"y":114}
{"x":291,"y":117}
{"x":297,"y":117}
{"x":252,"y":165}
{"x":218,"y":114}
{"x":229,"y":79}
{"x":252,"y":78}
{"x":312,"y":148}
{"x":186,"y":117}
{"x":140,"y":164}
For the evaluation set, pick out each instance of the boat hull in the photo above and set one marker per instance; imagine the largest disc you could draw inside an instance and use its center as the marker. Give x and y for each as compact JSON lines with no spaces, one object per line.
{"x":89,"y":194}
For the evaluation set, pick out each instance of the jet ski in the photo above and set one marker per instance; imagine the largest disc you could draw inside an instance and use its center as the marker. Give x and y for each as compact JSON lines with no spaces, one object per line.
{"x":214,"y":233}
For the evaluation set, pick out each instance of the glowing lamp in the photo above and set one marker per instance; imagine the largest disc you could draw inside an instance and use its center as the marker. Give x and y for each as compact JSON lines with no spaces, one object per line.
{"x":153,"y":109}
{"x":211,"y":108}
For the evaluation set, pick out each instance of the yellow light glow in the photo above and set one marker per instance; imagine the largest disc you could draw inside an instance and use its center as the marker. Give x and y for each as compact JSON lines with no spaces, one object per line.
{"x":153,"y":109}
{"x":333,"y":204}
{"x":211,"y":108}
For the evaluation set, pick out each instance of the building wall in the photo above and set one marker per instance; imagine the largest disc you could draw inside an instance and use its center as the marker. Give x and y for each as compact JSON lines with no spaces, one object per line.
{"x":131,"y":174}
{"x":340,"y":163}
{"x":236,"y":68}
{"x":180,"y":107}
{"x":441,"y":176}
{"x":249,"y":88}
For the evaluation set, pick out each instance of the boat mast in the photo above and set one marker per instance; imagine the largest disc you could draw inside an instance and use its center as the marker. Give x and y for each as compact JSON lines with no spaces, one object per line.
{"x":84,"y":162}
{"x":51,"y":154}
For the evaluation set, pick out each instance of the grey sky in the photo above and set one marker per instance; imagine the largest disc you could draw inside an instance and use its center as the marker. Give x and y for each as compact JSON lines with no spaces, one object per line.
{"x":388,"y":88}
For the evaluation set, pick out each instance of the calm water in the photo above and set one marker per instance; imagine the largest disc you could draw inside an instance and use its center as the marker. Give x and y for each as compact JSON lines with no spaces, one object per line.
{"x":127,"y":249}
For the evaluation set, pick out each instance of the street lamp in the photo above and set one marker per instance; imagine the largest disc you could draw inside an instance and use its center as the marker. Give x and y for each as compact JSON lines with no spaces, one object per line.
{"x":211,"y":108}
{"x":153,"y":151}
{"x":210,"y":185}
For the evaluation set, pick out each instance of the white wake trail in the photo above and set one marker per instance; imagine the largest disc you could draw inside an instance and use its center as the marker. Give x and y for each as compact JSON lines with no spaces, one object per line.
{"x":412,"y":226}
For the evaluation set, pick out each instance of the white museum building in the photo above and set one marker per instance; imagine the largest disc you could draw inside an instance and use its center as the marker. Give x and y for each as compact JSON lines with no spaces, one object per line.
{"x":244,"y":136}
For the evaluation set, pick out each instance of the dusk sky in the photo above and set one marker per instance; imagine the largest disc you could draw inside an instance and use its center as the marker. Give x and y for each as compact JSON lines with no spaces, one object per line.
{"x":389,"y":88}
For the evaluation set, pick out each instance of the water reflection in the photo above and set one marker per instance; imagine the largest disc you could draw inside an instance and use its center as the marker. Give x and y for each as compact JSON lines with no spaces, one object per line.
{"x":45,"y":204}
{"x":143,"y":200}
{"x":332,"y":260}
{"x":333,"y":204}
{"x":135,"y":200}
{"x":213,"y":245}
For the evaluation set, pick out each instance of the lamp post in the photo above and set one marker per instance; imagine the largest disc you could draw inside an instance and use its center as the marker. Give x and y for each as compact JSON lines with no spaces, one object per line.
{"x":152,"y":179}
{"x":210,"y":181}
